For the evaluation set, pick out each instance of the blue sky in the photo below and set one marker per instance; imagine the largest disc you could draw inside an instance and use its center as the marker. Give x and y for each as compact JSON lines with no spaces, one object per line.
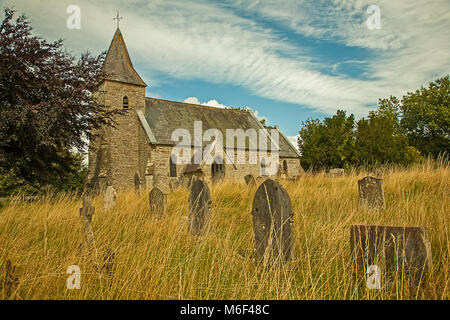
{"x":286,"y":60}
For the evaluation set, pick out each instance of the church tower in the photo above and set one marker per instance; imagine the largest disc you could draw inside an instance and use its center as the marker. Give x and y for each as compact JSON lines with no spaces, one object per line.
{"x":115,"y":160}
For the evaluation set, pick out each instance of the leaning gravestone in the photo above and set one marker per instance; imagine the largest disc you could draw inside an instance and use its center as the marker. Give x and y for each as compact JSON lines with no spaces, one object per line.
{"x":110,"y":198}
{"x":272,"y":223}
{"x":199,"y":207}
{"x":250,"y":180}
{"x":371,"y":193}
{"x":405,"y":250}
{"x":157,"y":202}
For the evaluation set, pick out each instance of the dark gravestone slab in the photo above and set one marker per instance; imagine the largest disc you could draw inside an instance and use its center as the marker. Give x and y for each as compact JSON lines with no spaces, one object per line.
{"x":399,"y":249}
{"x":199,"y":207}
{"x":137,"y":182}
{"x":250,"y":180}
{"x":157,"y":202}
{"x":272,"y":223}
{"x":371,"y":193}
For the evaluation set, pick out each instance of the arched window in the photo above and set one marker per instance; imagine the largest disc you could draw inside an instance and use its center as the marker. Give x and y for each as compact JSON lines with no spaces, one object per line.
{"x":263,"y":166}
{"x":285,"y":168}
{"x":172,"y":167}
{"x":217,"y":169}
{"x":125,"y":102}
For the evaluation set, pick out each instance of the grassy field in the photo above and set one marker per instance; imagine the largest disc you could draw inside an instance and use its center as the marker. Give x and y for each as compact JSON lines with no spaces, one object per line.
{"x":158,"y":259}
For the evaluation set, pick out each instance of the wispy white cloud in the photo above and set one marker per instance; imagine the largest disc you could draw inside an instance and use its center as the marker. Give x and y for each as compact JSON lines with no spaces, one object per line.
{"x":293,"y":140}
{"x":212,"y":103}
{"x":212,"y":42}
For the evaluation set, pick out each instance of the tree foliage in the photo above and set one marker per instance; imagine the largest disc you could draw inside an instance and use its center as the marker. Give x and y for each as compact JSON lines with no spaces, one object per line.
{"x":46,"y":106}
{"x":426,"y":117}
{"x":327,"y":144}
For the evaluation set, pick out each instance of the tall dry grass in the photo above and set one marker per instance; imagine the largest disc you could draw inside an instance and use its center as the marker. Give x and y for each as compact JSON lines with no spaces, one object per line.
{"x":158,"y":259}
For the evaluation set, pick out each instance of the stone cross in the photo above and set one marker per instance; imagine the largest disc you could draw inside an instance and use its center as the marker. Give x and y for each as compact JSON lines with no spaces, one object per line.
{"x":371,"y":193}
{"x":272,"y":223}
{"x":199,"y":207}
{"x":86,"y":213}
{"x":110,"y":198}
{"x":250,"y":180}
{"x":118,"y":18}
{"x":157,"y":201}
{"x":405,"y":250}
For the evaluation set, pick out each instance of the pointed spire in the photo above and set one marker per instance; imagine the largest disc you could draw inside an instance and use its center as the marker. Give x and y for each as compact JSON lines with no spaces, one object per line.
{"x":117,"y":65}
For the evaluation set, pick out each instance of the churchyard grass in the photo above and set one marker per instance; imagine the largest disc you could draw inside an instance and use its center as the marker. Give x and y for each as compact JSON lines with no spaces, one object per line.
{"x":160,"y":259}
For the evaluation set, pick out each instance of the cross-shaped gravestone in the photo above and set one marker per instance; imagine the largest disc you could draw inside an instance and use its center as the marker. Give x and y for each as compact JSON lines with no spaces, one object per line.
{"x":371,"y":193}
{"x":199,"y":207}
{"x":157,"y":201}
{"x":86,"y":213}
{"x":272,"y":223}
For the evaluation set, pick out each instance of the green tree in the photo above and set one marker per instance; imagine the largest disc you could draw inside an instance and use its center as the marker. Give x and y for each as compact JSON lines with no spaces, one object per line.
{"x":327,"y":144}
{"x":379,"y":138}
{"x":426,"y":117}
{"x":46,"y":105}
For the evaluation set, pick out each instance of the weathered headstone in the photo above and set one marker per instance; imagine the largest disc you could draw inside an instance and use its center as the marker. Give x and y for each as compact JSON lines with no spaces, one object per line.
{"x":157,"y":202}
{"x":250,"y":180}
{"x":371,"y":193}
{"x":337,"y":171}
{"x":86,"y":213}
{"x":199,"y":207}
{"x":399,"y":249}
{"x":272,"y":223}
{"x":109,"y":200}
{"x":137,"y":182}
{"x":8,"y":280}
{"x":108,"y":264}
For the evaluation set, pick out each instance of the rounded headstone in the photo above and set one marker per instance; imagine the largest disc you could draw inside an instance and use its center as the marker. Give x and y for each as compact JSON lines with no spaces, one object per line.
{"x":199,"y":207}
{"x":371,"y":192}
{"x":109,"y":200}
{"x":272,"y":223}
{"x":157,"y":202}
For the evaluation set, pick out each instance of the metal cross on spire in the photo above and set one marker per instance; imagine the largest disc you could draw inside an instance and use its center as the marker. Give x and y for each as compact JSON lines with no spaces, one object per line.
{"x":118,"y":18}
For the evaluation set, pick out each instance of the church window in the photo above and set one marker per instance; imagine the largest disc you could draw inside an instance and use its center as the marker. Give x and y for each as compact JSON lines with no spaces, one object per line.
{"x":263,"y":166}
{"x":125,"y":102}
{"x":172,"y":167}
{"x":285,"y":168}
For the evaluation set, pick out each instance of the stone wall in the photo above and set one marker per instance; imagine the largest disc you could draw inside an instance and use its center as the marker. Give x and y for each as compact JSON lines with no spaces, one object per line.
{"x":122,"y":144}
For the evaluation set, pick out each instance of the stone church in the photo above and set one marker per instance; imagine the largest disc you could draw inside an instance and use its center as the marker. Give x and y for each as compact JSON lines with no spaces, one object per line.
{"x":137,"y":153}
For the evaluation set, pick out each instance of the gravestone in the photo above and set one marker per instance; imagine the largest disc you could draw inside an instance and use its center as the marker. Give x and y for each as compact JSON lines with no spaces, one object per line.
{"x":399,"y":249}
{"x":110,"y":198}
{"x":86,"y":213}
{"x":337,"y":171}
{"x":137,"y":182}
{"x":250,"y":180}
{"x":371,"y":193}
{"x":8,"y":280}
{"x":199,"y":207}
{"x":272,"y":223}
{"x":157,"y":202}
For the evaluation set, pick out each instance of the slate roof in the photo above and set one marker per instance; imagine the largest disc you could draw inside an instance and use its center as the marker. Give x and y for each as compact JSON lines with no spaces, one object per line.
{"x":163,"y":117}
{"x":117,"y":65}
